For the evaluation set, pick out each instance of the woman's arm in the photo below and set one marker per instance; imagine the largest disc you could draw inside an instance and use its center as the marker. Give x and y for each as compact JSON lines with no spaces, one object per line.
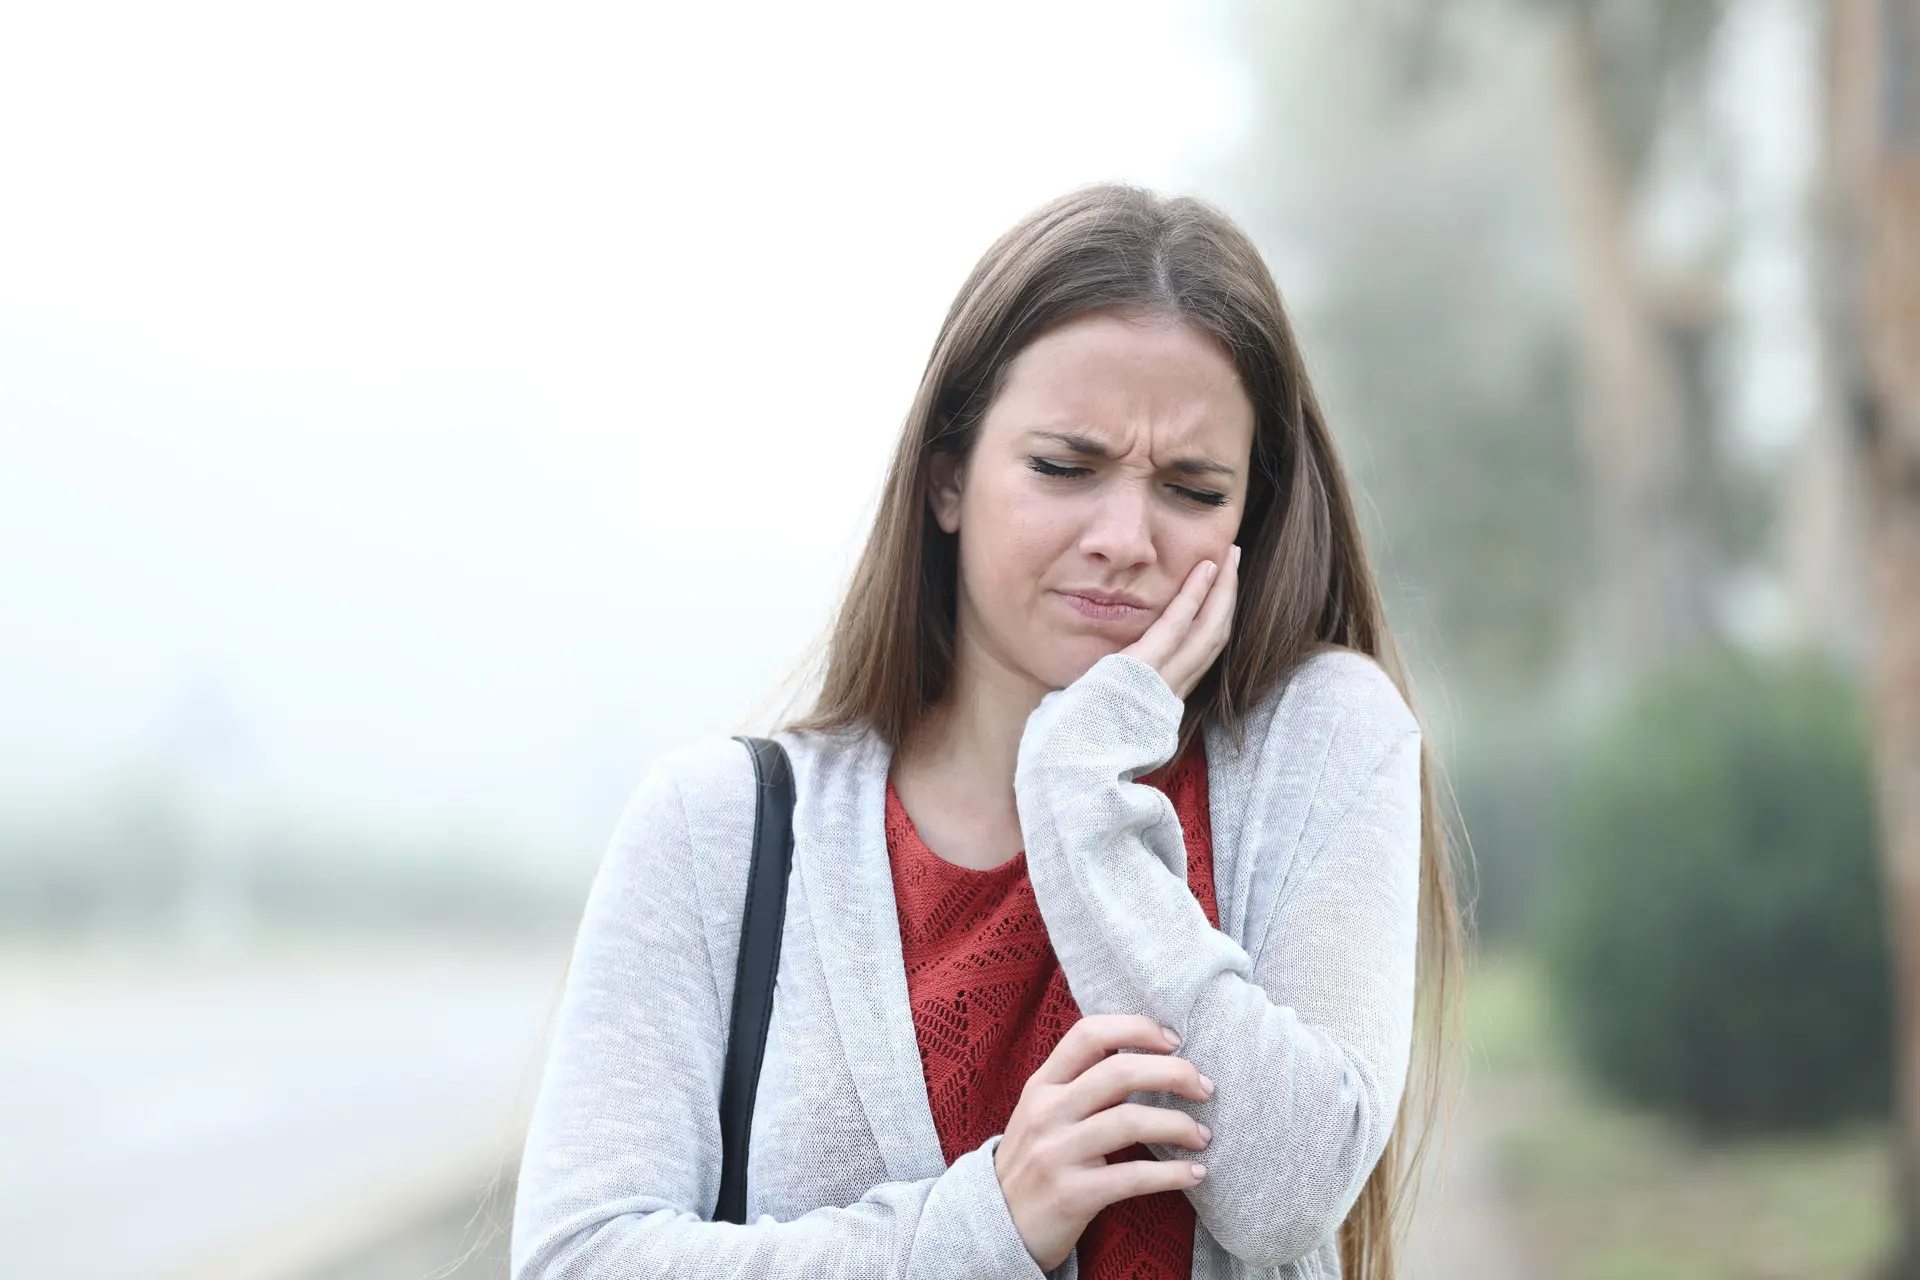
{"x":1309,"y":1049}
{"x":622,"y":1161}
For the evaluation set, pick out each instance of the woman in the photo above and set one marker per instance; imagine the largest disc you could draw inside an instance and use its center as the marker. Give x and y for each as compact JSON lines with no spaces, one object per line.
{"x":1117,"y":865}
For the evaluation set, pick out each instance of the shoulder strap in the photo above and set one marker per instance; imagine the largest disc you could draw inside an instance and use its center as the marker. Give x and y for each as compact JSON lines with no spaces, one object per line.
{"x":760,"y":927}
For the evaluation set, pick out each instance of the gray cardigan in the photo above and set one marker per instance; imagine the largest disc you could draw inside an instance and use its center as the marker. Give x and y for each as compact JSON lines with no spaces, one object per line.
{"x":1300,"y":1007}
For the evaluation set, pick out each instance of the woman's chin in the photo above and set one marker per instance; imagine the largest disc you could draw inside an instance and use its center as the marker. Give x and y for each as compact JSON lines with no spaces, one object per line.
{"x":1076,"y":659}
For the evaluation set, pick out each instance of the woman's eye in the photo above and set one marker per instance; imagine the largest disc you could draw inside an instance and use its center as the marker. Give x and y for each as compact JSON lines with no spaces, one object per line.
{"x":1206,"y":496}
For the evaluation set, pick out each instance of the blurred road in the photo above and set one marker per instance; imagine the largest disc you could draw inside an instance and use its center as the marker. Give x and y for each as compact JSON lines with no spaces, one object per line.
{"x":326,"y":1114}
{"x":254,"y":1117}
{"x":1463,"y":1227}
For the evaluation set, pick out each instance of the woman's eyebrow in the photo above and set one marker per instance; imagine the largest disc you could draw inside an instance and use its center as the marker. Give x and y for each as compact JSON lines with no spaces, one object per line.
{"x":1092,"y":448}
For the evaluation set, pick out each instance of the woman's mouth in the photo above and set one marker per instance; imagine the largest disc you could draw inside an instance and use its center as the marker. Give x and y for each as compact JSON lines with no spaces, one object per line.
{"x":1104,"y":608}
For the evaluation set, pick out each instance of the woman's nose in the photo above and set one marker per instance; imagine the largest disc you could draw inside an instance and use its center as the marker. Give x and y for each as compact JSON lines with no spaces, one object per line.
{"x":1120,"y":532}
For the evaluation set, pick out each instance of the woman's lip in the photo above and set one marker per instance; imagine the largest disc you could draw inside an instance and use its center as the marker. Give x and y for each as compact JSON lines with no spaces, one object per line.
{"x":1101,"y":610}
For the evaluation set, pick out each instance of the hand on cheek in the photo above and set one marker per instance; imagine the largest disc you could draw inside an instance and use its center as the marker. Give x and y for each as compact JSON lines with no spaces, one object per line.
{"x":1186,"y":639}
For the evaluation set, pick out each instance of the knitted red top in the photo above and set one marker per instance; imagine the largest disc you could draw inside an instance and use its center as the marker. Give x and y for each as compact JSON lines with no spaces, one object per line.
{"x":990,"y":1002}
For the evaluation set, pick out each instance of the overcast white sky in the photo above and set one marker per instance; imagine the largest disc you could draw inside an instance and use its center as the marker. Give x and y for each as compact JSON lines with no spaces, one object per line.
{"x":424,"y":414}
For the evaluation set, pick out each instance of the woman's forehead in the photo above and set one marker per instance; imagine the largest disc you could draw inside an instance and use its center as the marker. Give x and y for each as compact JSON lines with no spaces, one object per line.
{"x":1127,"y":385}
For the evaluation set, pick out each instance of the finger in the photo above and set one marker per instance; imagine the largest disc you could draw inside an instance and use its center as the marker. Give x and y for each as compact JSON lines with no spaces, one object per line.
{"x":1208,"y":634}
{"x":1111,"y":1081}
{"x":1093,"y":1038}
{"x":1204,"y":639}
{"x":1163,"y":638}
{"x":1119,"y":1127}
{"x":1124,"y":1179}
{"x":1192,"y":594}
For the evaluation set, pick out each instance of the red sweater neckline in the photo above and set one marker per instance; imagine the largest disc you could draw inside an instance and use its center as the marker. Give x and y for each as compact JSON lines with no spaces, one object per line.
{"x":990,"y":1002}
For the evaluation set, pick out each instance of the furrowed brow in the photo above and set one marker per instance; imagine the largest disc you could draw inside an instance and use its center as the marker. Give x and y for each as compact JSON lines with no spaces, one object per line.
{"x":1201,"y":467}
{"x":1089,"y":447}
{"x":1085,"y":445}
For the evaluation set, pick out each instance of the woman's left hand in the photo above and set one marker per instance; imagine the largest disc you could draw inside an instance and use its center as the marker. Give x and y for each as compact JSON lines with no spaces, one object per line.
{"x":1191,"y":633}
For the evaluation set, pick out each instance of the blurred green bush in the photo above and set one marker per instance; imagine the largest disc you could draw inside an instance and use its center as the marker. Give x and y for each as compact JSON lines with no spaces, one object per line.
{"x":1509,"y":792}
{"x":1713,"y":932}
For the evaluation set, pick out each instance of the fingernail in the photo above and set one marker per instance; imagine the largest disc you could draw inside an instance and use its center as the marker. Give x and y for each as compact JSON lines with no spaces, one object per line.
{"x":1206,"y":1133}
{"x":1206,"y":1082}
{"x":1173,"y":1037}
{"x":1199,"y":1172}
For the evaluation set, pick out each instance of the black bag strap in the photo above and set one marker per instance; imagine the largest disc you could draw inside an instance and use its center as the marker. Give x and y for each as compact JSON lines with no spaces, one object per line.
{"x":760,"y":927}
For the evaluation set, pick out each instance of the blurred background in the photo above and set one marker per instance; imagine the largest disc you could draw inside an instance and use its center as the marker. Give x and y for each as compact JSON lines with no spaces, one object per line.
{"x":397,"y":402}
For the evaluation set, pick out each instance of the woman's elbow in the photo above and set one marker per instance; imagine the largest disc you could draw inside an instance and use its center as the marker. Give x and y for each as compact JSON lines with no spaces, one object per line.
{"x":579,"y":1246}
{"x":1315,"y":1186}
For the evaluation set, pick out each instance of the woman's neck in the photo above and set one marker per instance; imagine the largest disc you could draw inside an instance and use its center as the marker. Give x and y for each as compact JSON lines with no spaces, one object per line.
{"x":973,"y":738}
{"x":955,"y":774}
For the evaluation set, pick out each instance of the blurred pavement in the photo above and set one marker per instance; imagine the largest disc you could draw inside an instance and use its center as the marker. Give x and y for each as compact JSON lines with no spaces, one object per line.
{"x":260,"y":1117}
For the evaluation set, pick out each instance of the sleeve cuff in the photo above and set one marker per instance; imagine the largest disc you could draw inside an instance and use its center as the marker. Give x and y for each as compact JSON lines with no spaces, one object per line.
{"x":990,"y":1245}
{"x":1140,"y":681}
{"x":1121,"y":702}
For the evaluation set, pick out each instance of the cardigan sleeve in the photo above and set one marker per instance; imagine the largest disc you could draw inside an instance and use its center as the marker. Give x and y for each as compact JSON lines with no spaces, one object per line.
{"x":1308,"y":1048}
{"x":622,"y":1160}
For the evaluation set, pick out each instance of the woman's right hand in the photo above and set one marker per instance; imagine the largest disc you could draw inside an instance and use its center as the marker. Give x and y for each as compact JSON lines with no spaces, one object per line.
{"x":1052,"y":1160}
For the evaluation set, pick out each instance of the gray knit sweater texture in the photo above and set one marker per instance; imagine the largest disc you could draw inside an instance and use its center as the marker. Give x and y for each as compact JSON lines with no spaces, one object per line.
{"x":1300,"y":1006}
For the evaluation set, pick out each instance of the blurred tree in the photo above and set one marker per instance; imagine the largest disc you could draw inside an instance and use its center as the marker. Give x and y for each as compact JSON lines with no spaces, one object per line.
{"x":1619,"y":73}
{"x":1716,"y":937}
{"x":1872,"y":292}
{"x":1645,"y":411}
{"x":1524,"y":392}
{"x":1412,"y":236}
{"x":1407,"y":149}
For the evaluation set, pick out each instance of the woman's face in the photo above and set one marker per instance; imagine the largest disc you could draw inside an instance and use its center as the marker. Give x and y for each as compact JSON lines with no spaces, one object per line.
{"x":1114,"y":460}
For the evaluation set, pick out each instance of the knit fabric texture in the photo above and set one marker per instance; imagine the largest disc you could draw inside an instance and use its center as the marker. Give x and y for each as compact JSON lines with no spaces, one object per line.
{"x":990,"y":1003}
{"x":1298,"y":1002}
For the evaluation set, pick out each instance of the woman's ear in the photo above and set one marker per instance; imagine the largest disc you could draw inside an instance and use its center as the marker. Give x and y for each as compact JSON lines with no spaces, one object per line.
{"x":945,"y":475}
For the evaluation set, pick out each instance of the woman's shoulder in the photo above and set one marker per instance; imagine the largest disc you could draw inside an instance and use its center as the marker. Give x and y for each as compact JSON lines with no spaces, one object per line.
{"x":701,"y":769}
{"x":1344,"y":684}
{"x":1337,"y":702}
{"x":689,"y":821}
{"x":714,"y":775}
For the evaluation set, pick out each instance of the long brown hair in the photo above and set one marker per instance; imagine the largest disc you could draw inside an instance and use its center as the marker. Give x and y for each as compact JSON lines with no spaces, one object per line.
{"x":1305,"y":579}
